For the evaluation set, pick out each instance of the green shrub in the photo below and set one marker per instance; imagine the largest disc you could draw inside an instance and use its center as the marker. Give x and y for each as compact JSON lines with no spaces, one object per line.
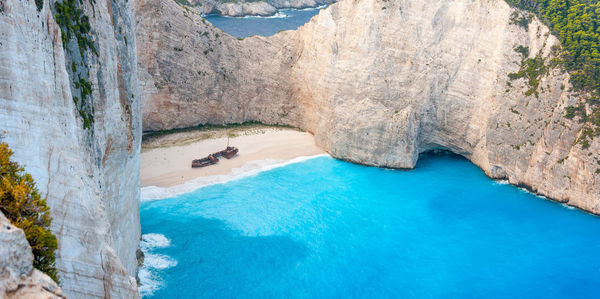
{"x":520,"y":20}
{"x":531,"y":69}
{"x":75,"y":26}
{"x":39,"y":4}
{"x":22,"y":204}
{"x":577,"y":25}
{"x":524,"y":51}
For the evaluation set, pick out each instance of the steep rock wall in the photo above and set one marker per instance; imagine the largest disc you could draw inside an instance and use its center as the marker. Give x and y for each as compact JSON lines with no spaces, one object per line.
{"x":89,"y":176}
{"x":391,"y":83}
{"x":192,"y":73}
{"x":379,"y":82}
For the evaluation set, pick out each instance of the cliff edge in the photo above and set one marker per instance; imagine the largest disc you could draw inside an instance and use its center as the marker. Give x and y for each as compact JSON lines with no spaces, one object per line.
{"x":69,"y":111}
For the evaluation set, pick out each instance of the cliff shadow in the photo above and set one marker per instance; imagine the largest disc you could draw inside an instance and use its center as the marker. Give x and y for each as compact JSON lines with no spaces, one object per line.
{"x":216,"y":261}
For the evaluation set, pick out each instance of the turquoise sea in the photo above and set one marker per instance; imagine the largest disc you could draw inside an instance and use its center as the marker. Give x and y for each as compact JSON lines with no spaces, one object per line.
{"x":325,"y":228}
{"x":285,"y":19}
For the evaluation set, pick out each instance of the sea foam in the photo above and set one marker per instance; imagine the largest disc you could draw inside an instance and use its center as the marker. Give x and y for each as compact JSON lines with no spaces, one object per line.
{"x":281,"y":14}
{"x":249,"y":169}
{"x":148,"y":274}
{"x":152,"y":241}
{"x":277,"y":15}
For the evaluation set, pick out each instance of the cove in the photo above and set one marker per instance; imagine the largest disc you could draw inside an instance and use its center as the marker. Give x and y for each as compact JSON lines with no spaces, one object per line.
{"x":325,"y":228}
{"x":285,"y":19}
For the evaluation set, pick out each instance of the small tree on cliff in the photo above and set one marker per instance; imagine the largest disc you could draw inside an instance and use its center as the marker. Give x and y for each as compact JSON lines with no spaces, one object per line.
{"x":21,"y":203}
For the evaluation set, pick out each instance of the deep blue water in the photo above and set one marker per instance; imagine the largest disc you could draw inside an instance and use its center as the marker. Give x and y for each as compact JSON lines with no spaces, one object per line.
{"x":330,"y":229}
{"x":286,"y":19}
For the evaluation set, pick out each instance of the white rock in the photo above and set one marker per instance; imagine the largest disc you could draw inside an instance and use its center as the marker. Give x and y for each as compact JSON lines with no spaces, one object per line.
{"x":91,"y":181}
{"x":18,"y":278}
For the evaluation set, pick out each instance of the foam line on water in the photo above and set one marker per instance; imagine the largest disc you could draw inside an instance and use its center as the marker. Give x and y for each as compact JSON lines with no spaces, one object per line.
{"x":280,"y":14}
{"x":277,"y":15}
{"x":308,"y":8}
{"x":158,"y":261}
{"x":501,"y":182}
{"x":152,"y":241}
{"x":532,"y":193}
{"x":149,"y":273}
{"x":249,"y":169}
{"x":524,"y":190}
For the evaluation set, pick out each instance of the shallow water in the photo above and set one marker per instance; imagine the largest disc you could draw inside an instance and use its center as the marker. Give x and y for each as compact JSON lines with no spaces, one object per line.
{"x":330,"y":229}
{"x":286,"y":19}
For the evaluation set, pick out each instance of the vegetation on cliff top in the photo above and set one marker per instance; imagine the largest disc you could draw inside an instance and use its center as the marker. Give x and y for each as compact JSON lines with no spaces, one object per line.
{"x":22,"y":204}
{"x":577,"y":25}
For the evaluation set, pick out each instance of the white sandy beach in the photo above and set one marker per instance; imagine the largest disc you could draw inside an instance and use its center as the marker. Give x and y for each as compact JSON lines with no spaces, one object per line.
{"x":166,"y":161}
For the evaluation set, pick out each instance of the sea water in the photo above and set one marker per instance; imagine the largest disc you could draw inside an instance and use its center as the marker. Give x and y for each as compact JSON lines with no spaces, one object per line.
{"x":325,"y":228}
{"x":286,"y":19}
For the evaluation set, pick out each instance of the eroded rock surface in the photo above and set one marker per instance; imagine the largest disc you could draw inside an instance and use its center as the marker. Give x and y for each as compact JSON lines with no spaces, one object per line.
{"x":90,"y":177}
{"x":379,"y":82}
{"x":18,"y":278}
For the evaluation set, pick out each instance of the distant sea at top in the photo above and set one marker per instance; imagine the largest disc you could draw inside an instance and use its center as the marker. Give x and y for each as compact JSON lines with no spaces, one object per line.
{"x":286,"y":19}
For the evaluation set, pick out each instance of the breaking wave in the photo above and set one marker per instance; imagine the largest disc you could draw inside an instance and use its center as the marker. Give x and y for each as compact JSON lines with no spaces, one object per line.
{"x":149,"y":273}
{"x":152,"y":241}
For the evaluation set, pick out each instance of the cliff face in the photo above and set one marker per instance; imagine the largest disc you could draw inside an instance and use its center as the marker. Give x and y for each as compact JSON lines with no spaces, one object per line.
{"x":89,"y":176}
{"x":18,"y":278}
{"x":192,"y":73}
{"x":379,"y":82}
{"x":435,"y":75}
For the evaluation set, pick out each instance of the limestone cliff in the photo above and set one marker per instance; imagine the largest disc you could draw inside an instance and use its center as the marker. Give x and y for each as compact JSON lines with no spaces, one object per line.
{"x":192,"y":73}
{"x":82,"y":149}
{"x":379,"y":82}
{"x":18,"y":278}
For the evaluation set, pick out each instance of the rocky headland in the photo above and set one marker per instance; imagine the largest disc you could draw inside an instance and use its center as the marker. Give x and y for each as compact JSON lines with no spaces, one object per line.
{"x":262,"y":8}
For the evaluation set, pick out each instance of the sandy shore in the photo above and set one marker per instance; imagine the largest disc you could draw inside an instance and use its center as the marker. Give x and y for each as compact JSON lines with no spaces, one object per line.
{"x":166,"y":160}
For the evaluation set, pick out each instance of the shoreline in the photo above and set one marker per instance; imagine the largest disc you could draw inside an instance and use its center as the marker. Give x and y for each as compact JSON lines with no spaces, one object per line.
{"x":277,"y":14}
{"x":251,"y":168}
{"x":165,"y":168}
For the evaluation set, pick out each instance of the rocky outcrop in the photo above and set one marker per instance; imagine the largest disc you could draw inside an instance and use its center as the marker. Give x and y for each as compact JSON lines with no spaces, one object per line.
{"x":379,"y":82}
{"x":244,"y":9}
{"x":18,"y":278}
{"x":90,"y":177}
{"x":250,"y":8}
{"x":299,"y":4}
